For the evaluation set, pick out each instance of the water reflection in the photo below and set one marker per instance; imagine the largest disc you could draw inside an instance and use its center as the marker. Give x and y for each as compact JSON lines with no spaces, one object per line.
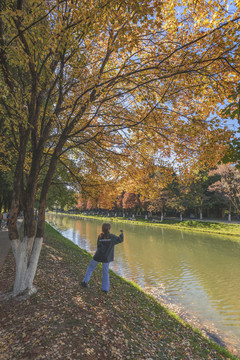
{"x":197,"y":271}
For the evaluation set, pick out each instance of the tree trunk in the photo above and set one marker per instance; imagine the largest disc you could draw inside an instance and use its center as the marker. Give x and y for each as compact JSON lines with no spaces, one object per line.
{"x":201,"y":216}
{"x":27,"y":251}
{"x":18,"y":179}
{"x":162,"y":215}
{"x":26,"y":254}
{"x":229,"y":213}
{"x":180,"y":216}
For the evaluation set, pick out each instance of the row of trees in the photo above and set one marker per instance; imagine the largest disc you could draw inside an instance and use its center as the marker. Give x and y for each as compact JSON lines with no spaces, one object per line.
{"x":95,"y":87}
{"x":214,"y":193}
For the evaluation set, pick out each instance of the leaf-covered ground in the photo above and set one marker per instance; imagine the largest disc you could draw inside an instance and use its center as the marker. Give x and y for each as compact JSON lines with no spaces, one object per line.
{"x":65,"y":321}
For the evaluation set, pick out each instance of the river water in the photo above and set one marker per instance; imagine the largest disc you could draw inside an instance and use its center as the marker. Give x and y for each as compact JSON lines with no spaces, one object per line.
{"x":194,"y":274}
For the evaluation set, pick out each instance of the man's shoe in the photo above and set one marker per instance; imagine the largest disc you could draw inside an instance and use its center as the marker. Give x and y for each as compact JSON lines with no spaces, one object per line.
{"x":84,"y":284}
{"x":105,"y":291}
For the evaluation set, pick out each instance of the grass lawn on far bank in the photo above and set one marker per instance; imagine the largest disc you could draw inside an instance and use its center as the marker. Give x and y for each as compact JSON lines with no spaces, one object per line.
{"x":220,"y":228}
{"x":65,"y":321}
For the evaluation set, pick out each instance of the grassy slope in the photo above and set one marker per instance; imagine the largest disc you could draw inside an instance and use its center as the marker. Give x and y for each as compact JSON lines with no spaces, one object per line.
{"x":64,"y":321}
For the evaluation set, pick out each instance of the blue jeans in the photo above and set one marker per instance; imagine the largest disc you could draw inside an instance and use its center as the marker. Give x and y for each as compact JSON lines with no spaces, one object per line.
{"x":105,"y":275}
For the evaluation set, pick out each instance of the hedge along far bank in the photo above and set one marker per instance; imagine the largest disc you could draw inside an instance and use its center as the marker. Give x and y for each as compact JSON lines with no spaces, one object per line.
{"x":217,"y":228}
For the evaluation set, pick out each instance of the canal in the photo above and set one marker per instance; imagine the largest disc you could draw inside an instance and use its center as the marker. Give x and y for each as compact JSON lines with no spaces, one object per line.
{"x":196,"y":275}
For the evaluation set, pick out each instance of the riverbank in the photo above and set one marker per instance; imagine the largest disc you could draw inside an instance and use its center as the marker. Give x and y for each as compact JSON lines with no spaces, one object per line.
{"x":212,"y":227}
{"x":65,"y":321}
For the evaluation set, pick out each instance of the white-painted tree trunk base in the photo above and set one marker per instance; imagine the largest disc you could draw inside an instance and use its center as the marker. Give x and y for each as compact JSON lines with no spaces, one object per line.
{"x":26,"y":253}
{"x":23,"y":296}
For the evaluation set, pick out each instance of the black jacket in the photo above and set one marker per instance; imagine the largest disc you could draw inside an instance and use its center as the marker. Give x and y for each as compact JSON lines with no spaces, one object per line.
{"x":105,"y":248}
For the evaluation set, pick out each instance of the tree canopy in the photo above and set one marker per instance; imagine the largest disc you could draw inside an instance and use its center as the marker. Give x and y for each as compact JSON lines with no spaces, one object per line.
{"x":99,"y":85}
